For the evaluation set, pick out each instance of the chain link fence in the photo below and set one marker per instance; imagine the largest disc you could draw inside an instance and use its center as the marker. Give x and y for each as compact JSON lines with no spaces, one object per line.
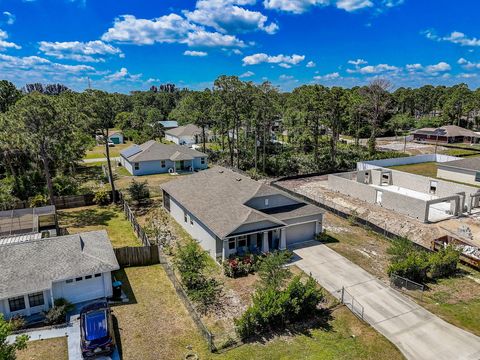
{"x":406,"y":285}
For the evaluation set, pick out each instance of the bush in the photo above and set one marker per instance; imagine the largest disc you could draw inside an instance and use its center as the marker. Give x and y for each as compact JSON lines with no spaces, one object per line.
{"x":64,"y":185}
{"x":444,"y":262}
{"x":272,"y":270}
{"x":237,"y":266}
{"x":38,"y":201}
{"x":138,"y":191}
{"x":57,"y":314}
{"x":102,"y":197}
{"x":414,"y":267}
{"x":17,"y":322}
{"x":273,"y":309}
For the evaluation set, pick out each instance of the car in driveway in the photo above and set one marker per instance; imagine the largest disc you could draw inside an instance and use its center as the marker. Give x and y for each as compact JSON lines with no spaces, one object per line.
{"x":96,"y":330}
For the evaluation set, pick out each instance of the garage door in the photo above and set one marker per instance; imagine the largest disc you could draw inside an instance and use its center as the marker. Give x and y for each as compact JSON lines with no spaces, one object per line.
{"x":300,"y":233}
{"x":80,"y":289}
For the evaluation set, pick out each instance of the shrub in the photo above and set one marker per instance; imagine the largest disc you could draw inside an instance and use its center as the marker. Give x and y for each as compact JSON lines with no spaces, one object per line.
{"x":272,"y":270}
{"x":17,"y":322}
{"x":444,"y":262}
{"x":64,"y":185}
{"x":57,"y":314}
{"x":273,"y":309}
{"x":414,"y":267}
{"x":237,"y":266}
{"x":138,"y":191}
{"x":38,"y":200}
{"x":102,"y":197}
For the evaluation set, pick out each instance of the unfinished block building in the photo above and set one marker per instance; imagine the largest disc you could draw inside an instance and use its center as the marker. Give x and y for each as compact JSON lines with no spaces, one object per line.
{"x":420,"y":197}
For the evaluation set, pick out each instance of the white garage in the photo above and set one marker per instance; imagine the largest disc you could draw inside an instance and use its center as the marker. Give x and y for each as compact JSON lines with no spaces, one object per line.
{"x":301,"y":233}
{"x":83,"y":288}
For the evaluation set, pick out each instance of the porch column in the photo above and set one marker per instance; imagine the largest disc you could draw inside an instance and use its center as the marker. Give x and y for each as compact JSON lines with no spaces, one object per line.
{"x":318,"y":227}
{"x":224,"y":250}
{"x":174,"y":167}
{"x":265,"y":242}
{"x":283,"y":239}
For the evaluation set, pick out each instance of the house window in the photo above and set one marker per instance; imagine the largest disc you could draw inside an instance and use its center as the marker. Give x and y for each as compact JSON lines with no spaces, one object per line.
{"x":166,"y":201}
{"x":88,"y":277}
{"x":266,"y":202}
{"x":191,"y":221}
{"x":242,"y":241}
{"x":16,"y":303}
{"x":137,"y":166}
{"x":231,"y":244}
{"x":202,"y":161}
{"x":69,"y":281}
{"x":36,"y":299}
{"x":79,"y":279}
{"x":185,"y":217}
{"x":163,"y":163}
{"x":433,"y":187}
{"x":477,"y":176}
{"x":98,"y":275}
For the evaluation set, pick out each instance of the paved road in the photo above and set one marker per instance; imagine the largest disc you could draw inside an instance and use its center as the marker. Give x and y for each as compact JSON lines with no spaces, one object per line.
{"x":112,"y":159}
{"x":416,"y":332}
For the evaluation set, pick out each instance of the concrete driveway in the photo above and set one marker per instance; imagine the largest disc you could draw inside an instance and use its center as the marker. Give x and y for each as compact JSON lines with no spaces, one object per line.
{"x":104,"y":159}
{"x":416,"y":332}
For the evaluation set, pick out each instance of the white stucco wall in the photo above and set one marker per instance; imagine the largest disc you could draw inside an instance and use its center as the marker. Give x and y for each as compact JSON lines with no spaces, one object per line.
{"x":198,"y":230}
{"x":5,"y":309}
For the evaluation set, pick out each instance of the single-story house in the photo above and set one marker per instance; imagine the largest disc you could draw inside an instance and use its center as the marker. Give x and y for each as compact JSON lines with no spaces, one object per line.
{"x":465,"y":170}
{"x":155,"y":158}
{"x":230,"y":213}
{"x":169,"y":124}
{"x":447,"y":134}
{"x":187,"y":135}
{"x":116,"y":137}
{"x":74,"y":267}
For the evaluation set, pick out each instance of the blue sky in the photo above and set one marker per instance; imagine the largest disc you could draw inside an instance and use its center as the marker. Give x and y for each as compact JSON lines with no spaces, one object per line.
{"x":124,"y":45}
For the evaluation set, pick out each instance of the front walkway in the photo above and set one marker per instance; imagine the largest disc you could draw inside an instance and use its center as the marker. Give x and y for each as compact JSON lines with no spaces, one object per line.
{"x":416,"y":332}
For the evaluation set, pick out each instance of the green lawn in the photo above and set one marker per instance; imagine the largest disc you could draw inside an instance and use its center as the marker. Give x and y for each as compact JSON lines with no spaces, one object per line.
{"x":155,"y":325}
{"x":99,"y":150}
{"x":45,"y":349}
{"x":90,"y":218}
{"x":426,"y":169}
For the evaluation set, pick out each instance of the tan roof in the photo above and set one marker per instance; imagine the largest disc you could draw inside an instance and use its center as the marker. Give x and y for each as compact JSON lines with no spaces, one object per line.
{"x":448,"y":131}
{"x":217,"y":197}
{"x":187,"y":130}
{"x":152,"y":150}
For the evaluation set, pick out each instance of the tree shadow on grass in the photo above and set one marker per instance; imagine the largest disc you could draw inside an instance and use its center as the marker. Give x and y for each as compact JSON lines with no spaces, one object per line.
{"x":88,"y":217}
{"x":118,"y":338}
{"x":319,"y":321}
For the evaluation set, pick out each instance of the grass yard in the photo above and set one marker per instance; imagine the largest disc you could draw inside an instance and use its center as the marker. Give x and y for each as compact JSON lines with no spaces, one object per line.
{"x":155,"y":325}
{"x":456,"y":299}
{"x":90,"y":218}
{"x":123,"y":179}
{"x":45,"y":349}
{"x":426,"y":169}
{"x":98,"y":151}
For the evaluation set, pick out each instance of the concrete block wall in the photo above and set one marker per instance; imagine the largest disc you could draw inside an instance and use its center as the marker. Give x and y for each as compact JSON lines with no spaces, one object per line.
{"x":352,"y":188}
{"x":415,"y":208}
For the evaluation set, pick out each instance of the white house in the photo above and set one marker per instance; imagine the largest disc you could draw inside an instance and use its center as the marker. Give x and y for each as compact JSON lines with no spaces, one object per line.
{"x":35,"y":273}
{"x":187,"y":135}
{"x":155,"y":158}
{"x":463,"y":170}
{"x":230,"y":213}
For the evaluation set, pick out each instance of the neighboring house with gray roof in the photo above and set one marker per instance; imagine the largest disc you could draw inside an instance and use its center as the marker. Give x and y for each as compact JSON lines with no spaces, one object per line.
{"x":155,"y":158}
{"x":447,"y":134}
{"x":35,"y":273}
{"x":230,"y":213}
{"x":465,"y":170}
{"x":188,"y":135}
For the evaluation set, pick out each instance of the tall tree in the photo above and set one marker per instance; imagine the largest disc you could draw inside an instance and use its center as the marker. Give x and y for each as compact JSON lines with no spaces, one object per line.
{"x":8,"y":349}
{"x":377,"y":102}
{"x":8,"y":95}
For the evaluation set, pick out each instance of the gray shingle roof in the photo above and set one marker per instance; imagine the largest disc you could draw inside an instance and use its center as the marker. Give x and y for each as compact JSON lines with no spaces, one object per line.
{"x":32,"y":266}
{"x":472,"y":163}
{"x":448,"y":131}
{"x":152,"y":151}
{"x":187,"y":130}
{"x":217,"y":197}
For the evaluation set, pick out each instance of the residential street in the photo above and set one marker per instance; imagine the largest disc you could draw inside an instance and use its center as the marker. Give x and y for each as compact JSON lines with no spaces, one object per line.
{"x":419,"y":334}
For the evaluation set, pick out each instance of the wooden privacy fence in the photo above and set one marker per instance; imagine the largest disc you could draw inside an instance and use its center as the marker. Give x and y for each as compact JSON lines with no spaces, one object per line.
{"x":137,"y":255}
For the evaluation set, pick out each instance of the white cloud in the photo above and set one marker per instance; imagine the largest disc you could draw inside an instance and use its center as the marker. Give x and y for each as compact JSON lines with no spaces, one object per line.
{"x":283,"y":60}
{"x":226,"y":16}
{"x":331,"y":76}
{"x":285,"y":77}
{"x":10,"y":17}
{"x":247,"y":74}
{"x":122,"y":75}
{"x":468,"y":64}
{"x":4,"y":44}
{"x":301,"y":6}
{"x":467,"y":75}
{"x":311,"y":64}
{"x":440,"y":67}
{"x":357,"y":62}
{"x":166,"y":29}
{"x":455,"y":37}
{"x":414,"y":67}
{"x":79,"y":51}
{"x":40,"y":64}
{"x":285,"y":65}
{"x":374,"y":69}
{"x":195,"y":53}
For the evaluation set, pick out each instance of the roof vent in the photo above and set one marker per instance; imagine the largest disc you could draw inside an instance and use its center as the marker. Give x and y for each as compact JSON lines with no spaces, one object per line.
{"x":220,"y":171}
{"x":238,"y":179}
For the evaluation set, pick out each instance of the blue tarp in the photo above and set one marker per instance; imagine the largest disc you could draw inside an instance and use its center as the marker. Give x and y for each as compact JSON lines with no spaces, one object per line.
{"x":96,"y":325}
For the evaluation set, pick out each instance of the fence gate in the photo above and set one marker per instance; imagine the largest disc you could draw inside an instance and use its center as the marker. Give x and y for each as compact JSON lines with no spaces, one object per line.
{"x":350,"y":302}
